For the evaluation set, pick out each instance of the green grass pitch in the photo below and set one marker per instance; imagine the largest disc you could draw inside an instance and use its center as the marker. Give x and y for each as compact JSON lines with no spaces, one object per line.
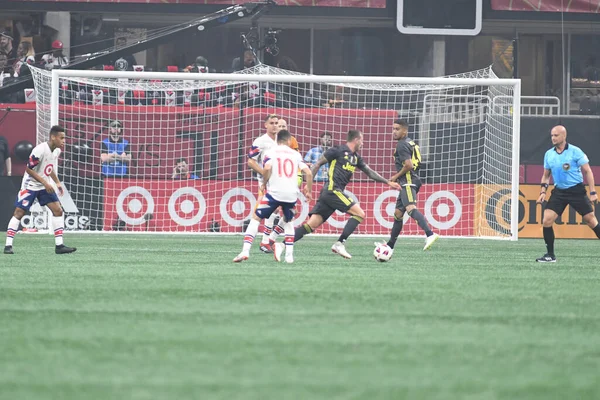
{"x":171,"y":317}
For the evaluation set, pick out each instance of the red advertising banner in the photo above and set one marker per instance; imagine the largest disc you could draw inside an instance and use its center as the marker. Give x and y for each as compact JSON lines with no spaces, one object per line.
{"x":195,"y":205}
{"x":302,"y":3}
{"x":576,"y":6}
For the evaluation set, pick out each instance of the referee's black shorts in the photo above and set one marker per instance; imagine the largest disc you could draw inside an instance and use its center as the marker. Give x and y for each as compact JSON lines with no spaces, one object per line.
{"x":329,"y":201}
{"x":575,"y":196}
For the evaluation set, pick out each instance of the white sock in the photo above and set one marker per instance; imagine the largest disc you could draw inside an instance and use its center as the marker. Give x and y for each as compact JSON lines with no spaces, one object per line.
{"x":268,"y":227}
{"x":13,"y":227}
{"x":249,"y":235}
{"x":58,"y":223}
{"x":278,"y":230}
{"x":288,"y":228}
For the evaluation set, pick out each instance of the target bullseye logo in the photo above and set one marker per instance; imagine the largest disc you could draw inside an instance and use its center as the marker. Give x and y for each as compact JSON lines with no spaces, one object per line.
{"x":187,"y":206}
{"x":336,"y":223}
{"x":443,"y":209}
{"x":48,"y":170}
{"x":236,"y":206}
{"x":130,"y":205}
{"x":384,"y":207}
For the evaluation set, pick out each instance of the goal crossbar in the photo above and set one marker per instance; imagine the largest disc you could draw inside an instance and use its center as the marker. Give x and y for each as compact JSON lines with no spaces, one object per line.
{"x":329,"y":79}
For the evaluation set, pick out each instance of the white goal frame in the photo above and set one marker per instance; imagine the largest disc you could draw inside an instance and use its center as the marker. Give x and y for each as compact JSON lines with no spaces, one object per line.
{"x":376,"y":82}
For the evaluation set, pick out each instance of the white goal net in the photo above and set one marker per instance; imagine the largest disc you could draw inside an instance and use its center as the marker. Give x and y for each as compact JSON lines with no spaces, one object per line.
{"x":167,"y":152}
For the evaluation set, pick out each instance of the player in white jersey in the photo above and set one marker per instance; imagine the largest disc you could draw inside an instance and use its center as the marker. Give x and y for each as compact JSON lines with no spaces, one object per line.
{"x":281,"y":190}
{"x":278,"y":229}
{"x":41,"y":169}
{"x":255,"y":162}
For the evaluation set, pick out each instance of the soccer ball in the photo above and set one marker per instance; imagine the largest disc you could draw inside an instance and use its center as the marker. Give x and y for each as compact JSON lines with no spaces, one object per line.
{"x":382,"y":252}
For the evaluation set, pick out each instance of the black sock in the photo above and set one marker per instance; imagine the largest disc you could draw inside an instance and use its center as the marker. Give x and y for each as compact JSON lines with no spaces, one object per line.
{"x":420,"y":218}
{"x":396,"y":229}
{"x":549,"y":239}
{"x":351,"y":225}
{"x":597,"y":230}
{"x":300,"y":231}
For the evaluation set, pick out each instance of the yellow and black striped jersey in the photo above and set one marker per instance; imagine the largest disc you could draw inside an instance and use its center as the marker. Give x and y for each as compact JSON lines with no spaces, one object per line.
{"x":408,"y":149}
{"x":342,"y":164}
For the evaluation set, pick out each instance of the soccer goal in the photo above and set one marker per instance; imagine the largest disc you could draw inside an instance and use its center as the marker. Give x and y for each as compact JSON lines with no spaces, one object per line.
{"x":167,"y":152}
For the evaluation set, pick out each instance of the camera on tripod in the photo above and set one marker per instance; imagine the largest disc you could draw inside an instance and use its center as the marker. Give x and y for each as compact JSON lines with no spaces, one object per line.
{"x":270,"y":41}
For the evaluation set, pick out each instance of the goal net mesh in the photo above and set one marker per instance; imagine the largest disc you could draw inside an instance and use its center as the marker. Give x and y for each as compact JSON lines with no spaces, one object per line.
{"x":170,"y":154}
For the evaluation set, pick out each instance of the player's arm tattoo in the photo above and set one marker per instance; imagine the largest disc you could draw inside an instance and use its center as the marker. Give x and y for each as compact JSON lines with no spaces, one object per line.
{"x":315,"y":167}
{"x":373,"y":175}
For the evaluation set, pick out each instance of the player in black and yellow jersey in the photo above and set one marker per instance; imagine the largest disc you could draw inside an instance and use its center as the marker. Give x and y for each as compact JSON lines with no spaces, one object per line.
{"x":343,"y":161}
{"x":407,"y":158}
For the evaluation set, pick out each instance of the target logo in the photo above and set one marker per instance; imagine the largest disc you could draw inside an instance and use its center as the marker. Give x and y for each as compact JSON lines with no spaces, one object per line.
{"x":236,"y":206}
{"x":48,"y":169}
{"x":134,"y":205}
{"x":187,"y":206}
{"x":338,"y":219}
{"x":443,"y":209}
{"x":384,"y":207}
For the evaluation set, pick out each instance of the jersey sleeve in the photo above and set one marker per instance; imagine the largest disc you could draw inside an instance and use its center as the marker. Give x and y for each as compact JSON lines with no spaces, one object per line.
{"x":300,"y":162}
{"x":546,"y":161}
{"x":403,"y":151}
{"x":104,"y":148}
{"x":268,"y":158}
{"x":360,"y":163}
{"x":255,"y":149}
{"x":581,"y":158}
{"x":35,"y":158}
{"x":331,"y":154}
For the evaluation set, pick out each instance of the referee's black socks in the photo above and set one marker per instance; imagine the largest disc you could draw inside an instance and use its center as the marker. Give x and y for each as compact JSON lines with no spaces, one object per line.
{"x":597,"y":230}
{"x":351,"y":225}
{"x":549,"y":239}
{"x":300,"y":231}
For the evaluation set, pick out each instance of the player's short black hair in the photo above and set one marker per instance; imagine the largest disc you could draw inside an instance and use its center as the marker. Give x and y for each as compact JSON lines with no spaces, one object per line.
{"x":181,"y":160}
{"x":283,"y":135}
{"x":353,"y":134}
{"x":326,"y":134}
{"x":269,"y":116}
{"x":401,"y":122}
{"x":56,"y":129}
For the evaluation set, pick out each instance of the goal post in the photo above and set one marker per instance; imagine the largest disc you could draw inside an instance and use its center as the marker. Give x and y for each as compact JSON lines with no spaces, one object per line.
{"x":187,"y":136}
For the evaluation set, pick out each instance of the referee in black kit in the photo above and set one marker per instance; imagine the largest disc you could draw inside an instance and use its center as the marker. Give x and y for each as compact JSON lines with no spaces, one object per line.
{"x":566,"y":163}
